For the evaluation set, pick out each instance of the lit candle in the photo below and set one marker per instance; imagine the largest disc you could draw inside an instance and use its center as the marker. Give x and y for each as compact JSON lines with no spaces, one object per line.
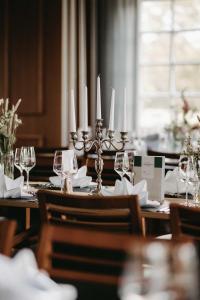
{"x":85,"y":116}
{"x":98,"y":99}
{"x":112,"y":108}
{"x":124,"y":129}
{"x":72,"y":126}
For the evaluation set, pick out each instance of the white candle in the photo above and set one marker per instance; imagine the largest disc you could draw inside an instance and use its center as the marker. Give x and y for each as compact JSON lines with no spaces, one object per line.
{"x":72,"y":126}
{"x":85,"y":116}
{"x":124,"y":128}
{"x":112,"y":109}
{"x":98,"y":99}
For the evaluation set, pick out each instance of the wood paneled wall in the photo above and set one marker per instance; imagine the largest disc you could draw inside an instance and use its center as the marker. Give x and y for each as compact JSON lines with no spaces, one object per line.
{"x":30,"y":67}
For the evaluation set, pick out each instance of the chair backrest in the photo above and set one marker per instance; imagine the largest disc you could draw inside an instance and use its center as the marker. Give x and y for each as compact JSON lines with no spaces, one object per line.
{"x":93,"y":254}
{"x":117,"y":214}
{"x":185,"y":221}
{"x":7,"y":232}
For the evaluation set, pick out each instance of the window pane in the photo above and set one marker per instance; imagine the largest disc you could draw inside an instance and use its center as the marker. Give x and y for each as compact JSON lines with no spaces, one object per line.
{"x":155,"y":47}
{"x":154,"y":79}
{"x":155,"y":15}
{"x":155,"y":118}
{"x":157,"y":103}
{"x":187,"y":77}
{"x":186,"y":14}
{"x":187,"y":46}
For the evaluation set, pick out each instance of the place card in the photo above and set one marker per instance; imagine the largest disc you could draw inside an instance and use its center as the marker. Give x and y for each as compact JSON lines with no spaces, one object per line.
{"x":152,"y":169}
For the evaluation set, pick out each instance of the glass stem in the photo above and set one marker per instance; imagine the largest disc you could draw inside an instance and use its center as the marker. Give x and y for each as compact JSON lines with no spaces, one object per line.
{"x":62,"y":183}
{"x":186,"y":194}
{"x":27,"y":181}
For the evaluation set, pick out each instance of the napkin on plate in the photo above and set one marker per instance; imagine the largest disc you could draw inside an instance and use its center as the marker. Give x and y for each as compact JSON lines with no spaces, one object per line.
{"x":173,"y":183}
{"x":124,"y":187}
{"x":78,"y":180}
{"x":10,"y":188}
{"x":20,"y":279}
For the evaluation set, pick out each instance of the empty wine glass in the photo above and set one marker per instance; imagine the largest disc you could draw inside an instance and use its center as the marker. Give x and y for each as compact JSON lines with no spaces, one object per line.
{"x":121,"y":164}
{"x":130,"y":171}
{"x":27,"y":162}
{"x":57,"y":163}
{"x":65,"y":165}
{"x":17,"y":160}
{"x":187,"y":173}
{"x":194,"y":178}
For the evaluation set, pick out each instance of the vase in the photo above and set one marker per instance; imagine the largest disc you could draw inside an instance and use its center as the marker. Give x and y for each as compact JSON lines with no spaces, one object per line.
{"x":7,"y":163}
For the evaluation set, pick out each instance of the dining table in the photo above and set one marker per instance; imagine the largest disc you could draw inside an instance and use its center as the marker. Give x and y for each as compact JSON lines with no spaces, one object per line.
{"x":161,"y":213}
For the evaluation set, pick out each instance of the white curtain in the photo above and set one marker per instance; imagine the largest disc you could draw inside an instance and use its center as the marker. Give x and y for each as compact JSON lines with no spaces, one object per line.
{"x":117,"y":51}
{"x":78,"y":58}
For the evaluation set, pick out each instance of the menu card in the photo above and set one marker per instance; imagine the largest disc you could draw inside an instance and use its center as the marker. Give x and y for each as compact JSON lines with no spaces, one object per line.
{"x":151,"y":168}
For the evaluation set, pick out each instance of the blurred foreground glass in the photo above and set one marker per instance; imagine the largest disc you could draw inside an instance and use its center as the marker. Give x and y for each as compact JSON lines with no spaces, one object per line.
{"x":27,"y":162}
{"x":159,"y":270}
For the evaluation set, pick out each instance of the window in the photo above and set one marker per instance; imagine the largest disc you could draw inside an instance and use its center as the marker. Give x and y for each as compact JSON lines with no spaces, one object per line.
{"x":169,"y":58}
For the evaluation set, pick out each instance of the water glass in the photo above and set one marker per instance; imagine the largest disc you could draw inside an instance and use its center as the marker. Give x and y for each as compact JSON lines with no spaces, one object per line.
{"x":27,"y":161}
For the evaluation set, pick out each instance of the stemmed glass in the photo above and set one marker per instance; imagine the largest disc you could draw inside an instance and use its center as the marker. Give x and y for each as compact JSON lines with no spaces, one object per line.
{"x":187,"y":172}
{"x":65,"y":165}
{"x":17,"y":160}
{"x":183,"y":173}
{"x":130,"y":172}
{"x":27,"y":162}
{"x":121,"y":164}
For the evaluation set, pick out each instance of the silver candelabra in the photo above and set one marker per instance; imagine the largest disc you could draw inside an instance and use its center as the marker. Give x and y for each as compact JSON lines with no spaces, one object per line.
{"x":98,"y":142}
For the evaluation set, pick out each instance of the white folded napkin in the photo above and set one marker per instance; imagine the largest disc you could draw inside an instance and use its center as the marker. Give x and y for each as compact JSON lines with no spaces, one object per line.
{"x":20,"y":279}
{"x":124,"y":187}
{"x":78,"y":180}
{"x":10,"y":188}
{"x":173,"y":183}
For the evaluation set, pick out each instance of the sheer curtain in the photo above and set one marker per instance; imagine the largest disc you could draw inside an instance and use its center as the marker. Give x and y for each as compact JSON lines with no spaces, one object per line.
{"x":98,"y":37}
{"x":78,"y":59}
{"x":116,"y":57}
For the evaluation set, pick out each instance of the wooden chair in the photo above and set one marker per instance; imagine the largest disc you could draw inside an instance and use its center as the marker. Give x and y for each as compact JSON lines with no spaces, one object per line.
{"x":185,"y":221}
{"x":171,"y":159}
{"x":118,"y":213}
{"x":92,"y":261}
{"x":7,"y":232}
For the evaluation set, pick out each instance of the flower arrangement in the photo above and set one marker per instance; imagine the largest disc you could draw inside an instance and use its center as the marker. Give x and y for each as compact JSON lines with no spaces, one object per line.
{"x":185,"y":120}
{"x":9,"y":122}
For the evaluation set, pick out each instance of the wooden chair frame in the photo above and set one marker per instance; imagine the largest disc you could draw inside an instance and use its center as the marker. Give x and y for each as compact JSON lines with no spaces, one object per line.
{"x":185,"y":221}
{"x":7,"y":232}
{"x":118,"y":213}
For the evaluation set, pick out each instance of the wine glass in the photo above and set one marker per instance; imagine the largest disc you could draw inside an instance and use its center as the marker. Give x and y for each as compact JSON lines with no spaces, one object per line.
{"x":57,"y":163}
{"x":121,"y":163}
{"x":130,"y":171}
{"x":65,"y":165}
{"x":187,"y":173}
{"x":17,"y":160}
{"x":27,"y":161}
{"x":194,"y":178}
